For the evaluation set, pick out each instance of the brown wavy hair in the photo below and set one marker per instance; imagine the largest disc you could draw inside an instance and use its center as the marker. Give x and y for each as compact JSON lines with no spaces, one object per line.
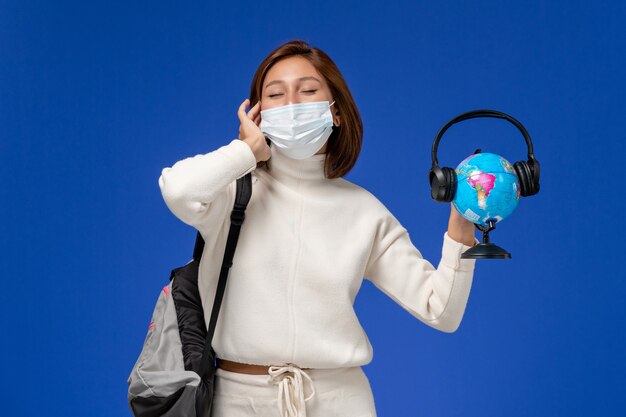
{"x":344,"y":144}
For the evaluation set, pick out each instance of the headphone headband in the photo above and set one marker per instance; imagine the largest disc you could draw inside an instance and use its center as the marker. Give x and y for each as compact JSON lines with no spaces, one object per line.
{"x":483,"y":113}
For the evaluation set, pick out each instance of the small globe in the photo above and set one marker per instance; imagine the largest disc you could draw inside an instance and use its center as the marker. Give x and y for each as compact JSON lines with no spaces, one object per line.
{"x":487,"y":188}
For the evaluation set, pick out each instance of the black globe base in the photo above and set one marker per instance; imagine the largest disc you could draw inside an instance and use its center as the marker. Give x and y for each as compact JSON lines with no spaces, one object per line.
{"x":486,"y":249}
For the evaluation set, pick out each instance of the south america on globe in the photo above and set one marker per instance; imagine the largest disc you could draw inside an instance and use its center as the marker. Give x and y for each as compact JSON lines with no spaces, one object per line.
{"x":487,"y":188}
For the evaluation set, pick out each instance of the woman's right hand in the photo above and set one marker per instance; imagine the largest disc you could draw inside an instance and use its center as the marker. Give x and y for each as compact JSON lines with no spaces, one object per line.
{"x":250,"y":132}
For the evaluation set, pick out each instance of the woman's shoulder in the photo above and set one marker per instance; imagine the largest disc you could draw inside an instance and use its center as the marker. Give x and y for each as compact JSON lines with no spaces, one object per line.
{"x":360,"y":195}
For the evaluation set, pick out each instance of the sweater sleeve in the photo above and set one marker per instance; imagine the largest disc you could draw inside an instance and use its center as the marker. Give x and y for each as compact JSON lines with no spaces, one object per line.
{"x":437,"y":297}
{"x":192,"y":186}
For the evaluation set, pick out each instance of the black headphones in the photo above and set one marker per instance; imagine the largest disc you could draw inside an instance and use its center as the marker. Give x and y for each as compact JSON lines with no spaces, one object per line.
{"x":443,"y":180}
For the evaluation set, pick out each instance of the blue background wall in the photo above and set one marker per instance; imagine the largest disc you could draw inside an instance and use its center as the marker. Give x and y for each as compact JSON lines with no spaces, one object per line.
{"x":97,"y":97}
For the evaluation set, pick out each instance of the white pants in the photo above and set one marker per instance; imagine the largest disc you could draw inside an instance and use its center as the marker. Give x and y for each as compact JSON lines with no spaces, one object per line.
{"x":288,"y":391}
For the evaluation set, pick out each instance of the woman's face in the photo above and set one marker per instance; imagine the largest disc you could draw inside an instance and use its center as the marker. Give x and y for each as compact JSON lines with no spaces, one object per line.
{"x":295,"y":80}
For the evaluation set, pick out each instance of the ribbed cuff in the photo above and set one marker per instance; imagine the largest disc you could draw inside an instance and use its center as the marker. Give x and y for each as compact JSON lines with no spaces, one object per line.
{"x":243,"y":155}
{"x":451,"y":254}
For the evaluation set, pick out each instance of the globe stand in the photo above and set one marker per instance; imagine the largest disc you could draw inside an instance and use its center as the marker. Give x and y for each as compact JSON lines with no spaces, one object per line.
{"x":486,"y":250}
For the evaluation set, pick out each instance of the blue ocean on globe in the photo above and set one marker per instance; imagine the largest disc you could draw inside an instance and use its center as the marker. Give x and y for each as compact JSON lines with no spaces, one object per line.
{"x":487,"y":188}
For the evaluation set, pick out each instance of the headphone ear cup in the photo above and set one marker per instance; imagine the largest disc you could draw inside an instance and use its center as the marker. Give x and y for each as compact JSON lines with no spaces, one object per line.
{"x":437,"y":183}
{"x":446,"y":185}
{"x":524,"y":176}
{"x":442,"y":184}
{"x":535,"y":170}
{"x":450,"y":188}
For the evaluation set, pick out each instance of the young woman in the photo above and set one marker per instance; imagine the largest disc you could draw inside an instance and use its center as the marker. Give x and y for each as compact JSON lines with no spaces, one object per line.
{"x":287,"y":339}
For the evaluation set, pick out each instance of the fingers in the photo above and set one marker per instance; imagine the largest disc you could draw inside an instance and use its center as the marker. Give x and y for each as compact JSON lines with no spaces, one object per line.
{"x":255,"y":111}
{"x":241,"y":112}
{"x":253,"y":114}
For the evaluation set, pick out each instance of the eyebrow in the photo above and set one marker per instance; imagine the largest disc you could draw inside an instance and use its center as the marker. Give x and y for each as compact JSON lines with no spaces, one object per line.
{"x":300,"y":79}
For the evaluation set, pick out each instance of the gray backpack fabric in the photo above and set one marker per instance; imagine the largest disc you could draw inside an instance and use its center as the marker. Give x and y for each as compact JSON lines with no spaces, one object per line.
{"x":175,"y":371}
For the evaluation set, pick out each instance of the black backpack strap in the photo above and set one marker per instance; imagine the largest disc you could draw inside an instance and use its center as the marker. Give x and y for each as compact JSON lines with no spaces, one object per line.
{"x":244,"y":191}
{"x":237,"y":216}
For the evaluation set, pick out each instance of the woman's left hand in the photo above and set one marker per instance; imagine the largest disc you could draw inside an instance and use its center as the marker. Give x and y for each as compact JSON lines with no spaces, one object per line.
{"x":460,"y":229}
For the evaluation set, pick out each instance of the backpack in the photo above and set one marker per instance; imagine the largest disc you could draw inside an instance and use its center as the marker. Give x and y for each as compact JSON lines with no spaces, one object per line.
{"x":174,"y":374}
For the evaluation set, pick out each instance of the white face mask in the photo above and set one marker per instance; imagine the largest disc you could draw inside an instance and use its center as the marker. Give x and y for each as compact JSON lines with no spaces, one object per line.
{"x":299,"y":130}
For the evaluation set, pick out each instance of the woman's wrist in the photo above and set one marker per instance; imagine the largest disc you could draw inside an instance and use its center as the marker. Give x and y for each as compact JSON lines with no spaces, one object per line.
{"x":259,"y":148}
{"x":460,"y":229}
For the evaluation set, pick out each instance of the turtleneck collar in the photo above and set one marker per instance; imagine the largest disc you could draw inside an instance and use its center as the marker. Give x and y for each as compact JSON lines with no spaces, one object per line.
{"x":290,"y":170}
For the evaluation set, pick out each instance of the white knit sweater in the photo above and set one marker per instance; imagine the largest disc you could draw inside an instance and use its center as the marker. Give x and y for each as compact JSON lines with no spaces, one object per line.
{"x":305,"y":246}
